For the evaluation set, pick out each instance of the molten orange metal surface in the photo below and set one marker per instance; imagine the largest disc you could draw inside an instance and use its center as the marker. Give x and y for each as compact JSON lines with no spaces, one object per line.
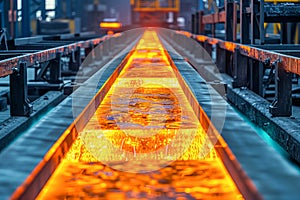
{"x":145,"y":125}
{"x":110,"y":25}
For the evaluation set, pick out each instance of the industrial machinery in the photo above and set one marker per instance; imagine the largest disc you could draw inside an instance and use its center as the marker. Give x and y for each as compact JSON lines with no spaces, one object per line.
{"x":150,"y":113}
{"x":162,"y":13}
{"x":262,"y":65}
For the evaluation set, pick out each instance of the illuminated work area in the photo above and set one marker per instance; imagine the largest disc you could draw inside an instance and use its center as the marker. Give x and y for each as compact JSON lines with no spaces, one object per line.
{"x":149,"y":99}
{"x":150,"y":127}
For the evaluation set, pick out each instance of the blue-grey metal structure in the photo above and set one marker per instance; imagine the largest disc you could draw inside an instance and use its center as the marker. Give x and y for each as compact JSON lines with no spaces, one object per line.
{"x":26,"y":18}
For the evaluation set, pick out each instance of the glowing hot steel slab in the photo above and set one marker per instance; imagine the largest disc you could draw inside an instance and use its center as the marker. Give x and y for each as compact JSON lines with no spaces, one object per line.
{"x":143,"y":142}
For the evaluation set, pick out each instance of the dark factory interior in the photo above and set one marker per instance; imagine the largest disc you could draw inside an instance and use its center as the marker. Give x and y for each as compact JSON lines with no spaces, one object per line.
{"x":150,"y":99}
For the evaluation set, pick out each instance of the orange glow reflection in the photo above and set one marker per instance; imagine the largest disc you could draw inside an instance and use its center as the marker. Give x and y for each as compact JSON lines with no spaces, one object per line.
{"x":145,"y":113}
{"x":201,"y":38}
{"x":230,"y":46}
{"x":110,"y":32}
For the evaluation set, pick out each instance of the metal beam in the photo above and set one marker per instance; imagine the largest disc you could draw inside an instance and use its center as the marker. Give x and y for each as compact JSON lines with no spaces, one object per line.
{"x":244,"y":21}
{"x":19,"y":104}
{"x":254,"y":27}
{"x":43,"y":9}
{"x":289,"y":63}
{"x":229,"y":20}
{"x":282,"y":105}
{"x":240,"y":67}
{"x":26,"y":29}
{"x":7,"y":66}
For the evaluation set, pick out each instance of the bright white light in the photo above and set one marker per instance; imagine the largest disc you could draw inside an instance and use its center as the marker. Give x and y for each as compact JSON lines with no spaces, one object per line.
{"x":50,"y":4}
{"x":19,"y":6}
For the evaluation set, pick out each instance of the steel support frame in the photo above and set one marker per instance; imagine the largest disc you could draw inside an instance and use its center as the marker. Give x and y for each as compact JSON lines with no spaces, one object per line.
{"x":43,"y":9}
{"x":252,"y":19}
{"x":2,"y":14}
{"x":40,"y":70}
{"x":198,"y":23}
{"x":221,"y":59}
{"x":59,"y":11}
{"x":16,"y":68}
{"x":208,"y":47}
{"x":245,"y":19}
{"x":282,"y":104}
{"x":89,"y":50}
{"x":19,"y":103}
{"x":286,"y":33}
{"x":240,"y":69}
{"x":256,"y":73}
{"x":201,"y":25}
{"x":213,"y":30}
{"x":235,"y":21}
{"x":75,"y":60}
{"x":261,"y":22}
{"x":224,"y":60}
{"x":194,"y":21}
{"x":55,"y":69}
{"x":26,"y":28}
{"x":229,"y":23}
{"x":257,"y":30}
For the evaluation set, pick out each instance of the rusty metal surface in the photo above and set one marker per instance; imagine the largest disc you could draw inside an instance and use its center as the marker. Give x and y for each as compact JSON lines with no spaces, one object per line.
{"x":289,"y":63}
{"x":214,"y":18}
{"x":7,"y":65}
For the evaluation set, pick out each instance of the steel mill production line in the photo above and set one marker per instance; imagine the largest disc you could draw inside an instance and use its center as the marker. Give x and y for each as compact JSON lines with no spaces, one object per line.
{"x":145,"y":126}
{"x":149,"y":99}
{"x":140,"y":128}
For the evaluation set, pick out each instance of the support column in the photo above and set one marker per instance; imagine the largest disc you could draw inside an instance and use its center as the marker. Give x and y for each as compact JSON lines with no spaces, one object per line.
{"x":235,"y":21}
{"x":240,"y":63}
{"x":197,"y":23}
{"x":201,"y":25}
{"x":59,"y":9}
{"x":43,"y":9}
{"x":208,"y":47}
{"x":55,"y":69}
{"x":256,"y":77}
{"x":254,"y":28}
{"x":244,"y":21}
{"x":26,"y":28}
{"x":19,"y":103}
{"x":282,"y":105}
{"x":221,"y":59}
{"x":75,"y":60}
{"x":261,"y":22}
{"x":193,"y":23}
{"x":229,"y":20}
